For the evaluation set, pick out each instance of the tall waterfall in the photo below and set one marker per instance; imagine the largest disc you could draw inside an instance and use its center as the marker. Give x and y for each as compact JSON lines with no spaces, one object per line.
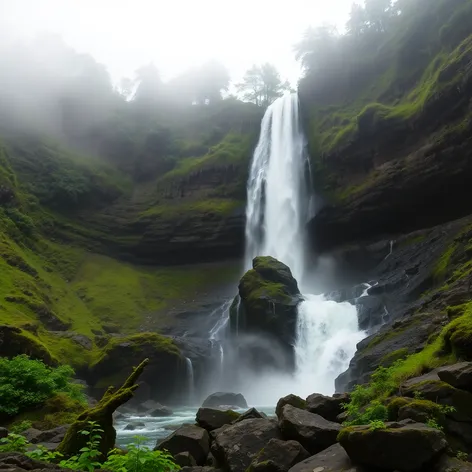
{"x":278,"y":208}
{"x":278,"y":197}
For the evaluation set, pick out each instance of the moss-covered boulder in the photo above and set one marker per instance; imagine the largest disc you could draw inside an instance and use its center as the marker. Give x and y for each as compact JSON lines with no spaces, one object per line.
{"x":290,"y":399}
{"x":398,"y":446}
{"x":267,"y":304}
{"x":165,"y":374}
{"x":212,"y":418}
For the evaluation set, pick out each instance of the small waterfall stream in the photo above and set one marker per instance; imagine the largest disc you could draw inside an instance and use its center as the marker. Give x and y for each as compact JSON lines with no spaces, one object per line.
{"x":190,"y":381}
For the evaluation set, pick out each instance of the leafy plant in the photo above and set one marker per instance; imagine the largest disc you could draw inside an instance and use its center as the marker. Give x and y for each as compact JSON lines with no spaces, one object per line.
{"x":377,"y":424}
{"x":462,"y":456}
{"x":139,"y":458}
{"x":27,"y":383}
{"x":88,"y":459}
{"x":14,"y":443}
{"x":417,"y":395}
{"x":21,"y":427}
{"x":43,"y":454}
{"x":432,"y":423}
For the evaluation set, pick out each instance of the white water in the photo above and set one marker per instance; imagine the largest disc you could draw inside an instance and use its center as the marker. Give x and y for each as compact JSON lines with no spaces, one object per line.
{"x":190,"y":381}
{"x":278,"y":206}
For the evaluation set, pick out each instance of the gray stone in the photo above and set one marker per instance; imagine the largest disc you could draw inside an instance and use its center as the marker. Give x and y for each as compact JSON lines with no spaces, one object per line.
{"x":187,"y":438}
{"x":212,"y":418}
{"x":185,"y":459}
{"x":278,"y":456}
{"x":218,"y":399}
{"x":235,"y":446}
{"x":327,"y":407}
{"x":312,"y":431}
{"x":290,"y":399}
{"x":457,"y":375}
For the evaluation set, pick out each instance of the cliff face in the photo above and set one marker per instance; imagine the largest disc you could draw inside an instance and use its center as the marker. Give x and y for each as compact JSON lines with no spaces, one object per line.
{"x":390,"y":140}
{"x":391,"y":149}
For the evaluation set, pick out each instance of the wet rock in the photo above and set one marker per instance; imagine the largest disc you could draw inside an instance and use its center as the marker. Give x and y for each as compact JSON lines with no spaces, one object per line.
{"x":252,"y":413}
{"x":161,"y":411}
{"x":370,"y":312}
{"x":31,"y":435}
{"x":457,"y":375}
{"x":290,"y":399}
{"x":451,"y":464}
{"x":15,"y":462}
{"x":269,"y":297}
{"x":152,"y":408}
{"x":219,"y":399}
{"x":133,"y":426}
{"x":235,"y":446}
{"x":278,"y":456}
{"x":187,"y":438}
{"x":312,"y":431}
{"x":184,"y":459}
{"x":212,"y":418}
{"x":327,"y":407}
{"x":402,"y":447}
{"x":332,"y":459}
{"x":444,"y":394}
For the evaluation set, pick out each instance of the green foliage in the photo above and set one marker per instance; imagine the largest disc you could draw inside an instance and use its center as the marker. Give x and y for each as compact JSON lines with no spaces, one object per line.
{"x":432,"y":423}
{"x":14,"y":443}
{"x":88,"y":458}
{"x":139,"y":458}
{"x":27,"y":383}
{"x":462,"y":456}
{"x":20,"y":427}
{"x":377,"y":424}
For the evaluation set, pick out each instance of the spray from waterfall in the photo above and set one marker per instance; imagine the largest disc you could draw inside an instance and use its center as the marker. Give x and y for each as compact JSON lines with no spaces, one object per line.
{"x":279,"y":204}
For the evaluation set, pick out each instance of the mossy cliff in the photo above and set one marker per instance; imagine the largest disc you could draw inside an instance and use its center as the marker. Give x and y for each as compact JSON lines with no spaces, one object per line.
{"x":390,"y":133}
{"x":85,"y":247}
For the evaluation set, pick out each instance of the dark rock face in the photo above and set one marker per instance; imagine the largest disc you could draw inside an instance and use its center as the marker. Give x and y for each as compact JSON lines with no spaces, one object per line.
{"x":184,"y":459}
{"x":252,"y":413}
{"x":121,"y":355}
{"x":457,"y":375}
{"x":224,"y":398}
{"x":445,"y":394}
{"x":450,"y":464}
{"x":234,"y":447}
{"x":13,"y":461}
{"x":327,"y":407}
{"x":332,"y":459}
{"x":312,"y":431}
{"x":403,"y":447}
{"x":290,"y":399}
{"x":269,"y":297}
{"x":211,"y":418}
{"x":3,"y":433}
{"x":278,"y":456}
{"x":188,"y":438}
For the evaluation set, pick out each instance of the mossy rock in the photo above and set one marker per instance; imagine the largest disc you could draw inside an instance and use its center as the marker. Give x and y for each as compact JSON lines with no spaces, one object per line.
{"x":269,"y":297}
{"x":165,"y":373}
{"x":16,"y":341}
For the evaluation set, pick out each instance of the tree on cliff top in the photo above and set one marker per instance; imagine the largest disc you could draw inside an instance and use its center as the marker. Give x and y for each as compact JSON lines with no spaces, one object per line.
{"x":262,"y":85}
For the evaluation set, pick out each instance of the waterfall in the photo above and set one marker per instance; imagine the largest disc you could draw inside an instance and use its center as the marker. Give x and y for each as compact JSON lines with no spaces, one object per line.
{"x":190,"y":381}
{"x":279,"y":202}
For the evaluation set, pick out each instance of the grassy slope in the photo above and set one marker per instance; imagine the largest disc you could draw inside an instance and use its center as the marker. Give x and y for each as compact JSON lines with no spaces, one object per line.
{"x":49,"y":261}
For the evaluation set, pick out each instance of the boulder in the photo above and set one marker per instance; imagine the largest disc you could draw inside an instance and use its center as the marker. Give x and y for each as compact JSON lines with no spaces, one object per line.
{"x":399,"y":446}
{"x":219,"y":399}
{"x":269,"y":297}
{"x":278,"y":456}
{"x":290,"y":399}
{"x":212,"y":418}
{"x":54,"y":435}
{"x":187,"y":438}
{"x":312,"y":431}
{"x":16,"y":462}
{"x":327,"y":407}
{"x":133,"y":426}
{"x":121,"y":354}
{"x":235,"y":446}
{"x":152,"y":408}
{"x":451,"y":464}
{"x":250,"y":414}
{"x":444,"y":394}
{"x":333,"y":459}
{"x":184,"y":459}
{"x":457,"y":375}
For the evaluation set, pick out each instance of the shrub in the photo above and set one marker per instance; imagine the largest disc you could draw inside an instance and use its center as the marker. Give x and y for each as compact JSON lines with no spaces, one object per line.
{"x":26,"y":383}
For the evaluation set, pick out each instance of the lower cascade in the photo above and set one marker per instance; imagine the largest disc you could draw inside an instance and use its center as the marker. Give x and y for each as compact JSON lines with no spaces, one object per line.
{"x":279,"y":204}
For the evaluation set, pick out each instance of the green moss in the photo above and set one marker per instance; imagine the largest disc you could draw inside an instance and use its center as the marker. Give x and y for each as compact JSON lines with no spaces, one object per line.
{"x":441,"y":268}
{"x":457,"y":335}
{"x":257,"y":288}
{"x":393,"y":356}
{"x":394,"y":405}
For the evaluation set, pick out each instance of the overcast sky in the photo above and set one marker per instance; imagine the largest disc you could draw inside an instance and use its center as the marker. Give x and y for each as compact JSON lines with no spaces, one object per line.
{"x":176,"y":34}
